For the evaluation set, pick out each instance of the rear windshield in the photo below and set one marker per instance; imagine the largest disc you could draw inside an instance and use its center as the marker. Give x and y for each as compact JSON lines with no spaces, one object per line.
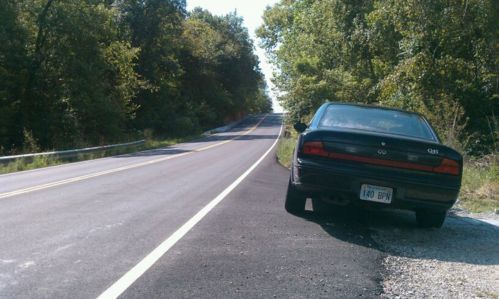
{"x":375,"y":120}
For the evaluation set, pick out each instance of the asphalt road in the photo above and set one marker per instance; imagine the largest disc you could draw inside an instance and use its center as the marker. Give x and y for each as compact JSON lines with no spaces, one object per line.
{"x":78,"y":229}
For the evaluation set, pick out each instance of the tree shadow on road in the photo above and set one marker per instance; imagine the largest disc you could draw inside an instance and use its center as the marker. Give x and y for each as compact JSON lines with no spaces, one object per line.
{"x":167,"y":151}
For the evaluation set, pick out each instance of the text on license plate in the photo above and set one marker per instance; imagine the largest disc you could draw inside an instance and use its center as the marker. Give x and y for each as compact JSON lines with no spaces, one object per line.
{"x":376,"y":193}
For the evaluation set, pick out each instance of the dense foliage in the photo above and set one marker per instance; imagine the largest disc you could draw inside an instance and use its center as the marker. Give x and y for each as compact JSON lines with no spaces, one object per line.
{"x":80,"y":72}
{"x":438,"y":57}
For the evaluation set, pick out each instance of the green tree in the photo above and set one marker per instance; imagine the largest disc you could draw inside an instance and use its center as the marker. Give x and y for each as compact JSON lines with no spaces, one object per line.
{"x":228,"y":82}
{"x":13,"y":57}
{"x":436,"y":57}
{"x":90,"y":72}
{"x":78,"y":79}
{"x":155,"y":26}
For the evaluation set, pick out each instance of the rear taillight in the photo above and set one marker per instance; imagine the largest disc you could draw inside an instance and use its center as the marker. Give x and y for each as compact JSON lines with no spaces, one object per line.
{"x":448,"y":166}
{"x":316,"y":148}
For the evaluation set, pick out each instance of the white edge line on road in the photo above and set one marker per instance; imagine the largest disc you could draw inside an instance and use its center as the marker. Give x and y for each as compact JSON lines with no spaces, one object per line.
{"x":138,"y":270}
{"x":114,"y":170}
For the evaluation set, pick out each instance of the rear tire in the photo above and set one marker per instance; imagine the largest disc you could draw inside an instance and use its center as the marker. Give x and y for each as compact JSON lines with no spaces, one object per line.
{"x":430,"y":219}
{"x":295,"y":200}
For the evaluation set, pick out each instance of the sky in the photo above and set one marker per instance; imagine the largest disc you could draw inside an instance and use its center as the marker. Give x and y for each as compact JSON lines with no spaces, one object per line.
{"x":252,"y":12}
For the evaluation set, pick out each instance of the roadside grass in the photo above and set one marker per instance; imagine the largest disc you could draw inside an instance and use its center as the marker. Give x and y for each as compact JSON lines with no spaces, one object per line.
{"x":480,"y":184}
{"x":46,"y":161}
{"x":484,"y":294}
{"x":286,"y":146}
{"x":23,"y":164}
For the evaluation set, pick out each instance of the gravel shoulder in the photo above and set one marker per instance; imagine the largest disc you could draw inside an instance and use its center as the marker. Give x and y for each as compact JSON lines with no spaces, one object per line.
{"x":460,"y":260}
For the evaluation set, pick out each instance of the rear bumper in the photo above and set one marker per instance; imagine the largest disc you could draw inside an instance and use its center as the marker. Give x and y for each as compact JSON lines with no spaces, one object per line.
{"x":341,"y":180}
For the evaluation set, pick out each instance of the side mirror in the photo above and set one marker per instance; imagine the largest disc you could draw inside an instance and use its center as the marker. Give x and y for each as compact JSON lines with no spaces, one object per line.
{"x":300,"y":127}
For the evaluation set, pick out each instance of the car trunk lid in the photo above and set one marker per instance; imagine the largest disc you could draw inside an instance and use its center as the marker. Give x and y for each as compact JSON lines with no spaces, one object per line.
{"x":386,"y":150}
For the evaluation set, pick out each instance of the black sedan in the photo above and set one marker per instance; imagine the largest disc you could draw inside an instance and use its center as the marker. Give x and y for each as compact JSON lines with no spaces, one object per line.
{"x":374,"y":156}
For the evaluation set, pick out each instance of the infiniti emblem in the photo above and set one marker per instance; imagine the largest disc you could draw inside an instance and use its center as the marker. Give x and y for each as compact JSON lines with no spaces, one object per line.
{"x":382,"y":152}
{"x":383,"y":143}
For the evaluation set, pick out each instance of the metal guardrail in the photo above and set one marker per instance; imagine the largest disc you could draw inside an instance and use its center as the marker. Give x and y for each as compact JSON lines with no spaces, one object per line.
{"x":69,"y":153}
{"x":75,"y":152}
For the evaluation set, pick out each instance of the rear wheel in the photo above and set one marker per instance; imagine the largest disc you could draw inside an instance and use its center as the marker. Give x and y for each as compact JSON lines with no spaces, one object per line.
{"x":429,"y":218}
{"x":295,"y":200}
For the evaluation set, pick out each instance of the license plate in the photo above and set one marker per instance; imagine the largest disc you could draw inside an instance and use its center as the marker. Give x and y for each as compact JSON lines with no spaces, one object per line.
{"x":376,"y":193}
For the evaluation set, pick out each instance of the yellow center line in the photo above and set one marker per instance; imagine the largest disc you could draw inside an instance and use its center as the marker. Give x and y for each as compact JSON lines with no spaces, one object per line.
{"x":114,"y":170}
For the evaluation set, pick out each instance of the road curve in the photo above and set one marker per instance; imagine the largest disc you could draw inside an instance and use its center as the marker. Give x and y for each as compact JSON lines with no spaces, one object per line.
{"x":74,"y":230}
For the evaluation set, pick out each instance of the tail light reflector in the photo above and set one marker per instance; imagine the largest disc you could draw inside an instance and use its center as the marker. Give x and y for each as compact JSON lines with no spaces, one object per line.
{"x":315,"y":148}
{"x":448,"y":166}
